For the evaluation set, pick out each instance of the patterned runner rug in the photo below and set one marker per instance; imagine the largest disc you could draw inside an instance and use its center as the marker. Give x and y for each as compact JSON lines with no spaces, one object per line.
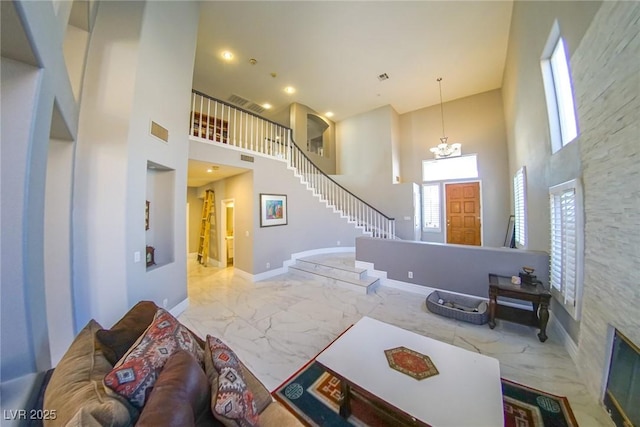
{"x":312,"y":395}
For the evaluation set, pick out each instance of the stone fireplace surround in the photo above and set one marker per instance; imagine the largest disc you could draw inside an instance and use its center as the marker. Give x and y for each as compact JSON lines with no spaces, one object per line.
{"x":606,"y":80}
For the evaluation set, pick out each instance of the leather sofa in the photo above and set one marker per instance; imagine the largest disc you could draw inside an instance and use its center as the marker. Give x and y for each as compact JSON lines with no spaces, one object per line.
{"x":183,"y":392}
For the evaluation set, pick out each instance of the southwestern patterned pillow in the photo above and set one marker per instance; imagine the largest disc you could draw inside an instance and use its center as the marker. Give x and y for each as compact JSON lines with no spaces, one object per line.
{"x":233,"y":400}
{"x":135,"y":374}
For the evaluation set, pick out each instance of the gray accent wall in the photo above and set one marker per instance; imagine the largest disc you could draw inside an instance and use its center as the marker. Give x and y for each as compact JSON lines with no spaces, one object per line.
{"x":437,"y":265}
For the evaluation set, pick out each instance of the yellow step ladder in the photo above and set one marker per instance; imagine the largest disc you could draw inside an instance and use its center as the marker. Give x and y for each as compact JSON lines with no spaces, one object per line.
{"x":208,"y":218}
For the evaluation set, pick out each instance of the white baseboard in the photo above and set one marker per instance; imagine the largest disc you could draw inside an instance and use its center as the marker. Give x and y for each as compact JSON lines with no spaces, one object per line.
{"x":269,"y":274}
{"x":565,"y":338}
{"x":242,"y":273}
{"x":178,"y":309}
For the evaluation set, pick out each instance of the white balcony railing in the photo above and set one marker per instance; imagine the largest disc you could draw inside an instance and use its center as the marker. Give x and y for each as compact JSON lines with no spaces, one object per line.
{"x":217,"y":122}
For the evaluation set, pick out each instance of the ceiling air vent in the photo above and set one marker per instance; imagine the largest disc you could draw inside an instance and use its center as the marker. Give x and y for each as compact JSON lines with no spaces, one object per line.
{"x":255,"y":108}
{"x":238,"y":100}
{"x":382,"y":77}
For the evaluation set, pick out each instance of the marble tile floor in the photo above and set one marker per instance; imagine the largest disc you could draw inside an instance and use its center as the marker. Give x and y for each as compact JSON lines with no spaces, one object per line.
{"x":277,"y":325}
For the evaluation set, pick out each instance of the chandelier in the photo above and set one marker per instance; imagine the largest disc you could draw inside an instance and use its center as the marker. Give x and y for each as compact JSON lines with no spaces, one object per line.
{"x":444,"y":149}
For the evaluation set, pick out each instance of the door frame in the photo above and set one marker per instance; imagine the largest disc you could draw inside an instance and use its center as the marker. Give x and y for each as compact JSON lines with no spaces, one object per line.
{"x":224,"y":203}
{"x":444,"y":200}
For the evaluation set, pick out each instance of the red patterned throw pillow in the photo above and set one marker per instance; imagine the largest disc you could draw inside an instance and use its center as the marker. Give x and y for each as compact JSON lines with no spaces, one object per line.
{"x":135,"y":374}
{"x":233,"y":399}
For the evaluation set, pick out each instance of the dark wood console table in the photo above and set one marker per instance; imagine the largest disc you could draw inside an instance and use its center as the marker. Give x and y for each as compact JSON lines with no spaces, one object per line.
{"x":537,"y":294}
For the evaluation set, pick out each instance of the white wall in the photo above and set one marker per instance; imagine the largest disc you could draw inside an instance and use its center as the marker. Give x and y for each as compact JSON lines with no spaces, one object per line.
{"x":57,"y":247}
{"x":29,"y":91}
{"x":364,"y":144}
{"x":139,"y":69}
{"x":19,"y":89}
{"x":101,"y":174}
{"x":526,"y":114}
{"x":368,"y":163}
{"x":195,"y":215}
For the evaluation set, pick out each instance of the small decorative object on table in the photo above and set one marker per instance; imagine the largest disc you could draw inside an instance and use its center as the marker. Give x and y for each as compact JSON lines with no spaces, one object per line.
{"x":411,"y":363}
{"x":527,"y":277}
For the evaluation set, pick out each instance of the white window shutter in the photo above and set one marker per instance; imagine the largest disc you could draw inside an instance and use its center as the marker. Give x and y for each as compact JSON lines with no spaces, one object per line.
{"x":431,"y":206}
{"x":568,"y":202}
{"x":565,"y":273}
{"x":520,"y":211}
{"x":555,"y":275}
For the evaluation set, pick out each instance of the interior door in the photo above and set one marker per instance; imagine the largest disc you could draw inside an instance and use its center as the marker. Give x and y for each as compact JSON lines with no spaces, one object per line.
{"x":463,"y":213}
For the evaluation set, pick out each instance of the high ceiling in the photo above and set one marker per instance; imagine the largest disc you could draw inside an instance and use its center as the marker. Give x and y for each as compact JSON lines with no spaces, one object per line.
{"x":333,"y":52}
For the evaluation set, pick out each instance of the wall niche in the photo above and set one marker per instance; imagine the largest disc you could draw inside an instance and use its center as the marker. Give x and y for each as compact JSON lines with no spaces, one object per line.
{"x":159,"y":215}
{"x":316,"y":127}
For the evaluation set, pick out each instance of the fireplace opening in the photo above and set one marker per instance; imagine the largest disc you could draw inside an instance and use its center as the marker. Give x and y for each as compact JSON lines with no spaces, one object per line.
{"x":622,"y":393}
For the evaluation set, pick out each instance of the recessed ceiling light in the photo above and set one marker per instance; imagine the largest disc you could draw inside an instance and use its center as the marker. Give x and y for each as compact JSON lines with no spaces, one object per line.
{"x":228,"y":56}
{"x":289,"y":90}
{"x":266,"y":106}
{"x":329,"y":114}
{"x":209,"y":170}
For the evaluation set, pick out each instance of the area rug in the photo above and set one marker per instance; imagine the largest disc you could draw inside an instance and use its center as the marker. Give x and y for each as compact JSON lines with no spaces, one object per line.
{"x":312,"y":395}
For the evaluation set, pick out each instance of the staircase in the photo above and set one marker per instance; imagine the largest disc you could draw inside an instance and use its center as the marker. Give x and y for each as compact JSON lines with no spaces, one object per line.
{"x":214,"y":121}
{"x":337,"y":270}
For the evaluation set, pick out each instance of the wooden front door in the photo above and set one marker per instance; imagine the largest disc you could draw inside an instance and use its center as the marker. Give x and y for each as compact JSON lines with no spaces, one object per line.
{"x":463,"y":213}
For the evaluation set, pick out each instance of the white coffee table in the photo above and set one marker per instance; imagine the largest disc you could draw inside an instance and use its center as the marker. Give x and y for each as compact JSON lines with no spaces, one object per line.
{"x":466,"y":392}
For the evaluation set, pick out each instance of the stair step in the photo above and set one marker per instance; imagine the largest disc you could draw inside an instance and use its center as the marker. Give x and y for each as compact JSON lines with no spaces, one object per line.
{"x":336,"y":271}
{"x":334,"y":266}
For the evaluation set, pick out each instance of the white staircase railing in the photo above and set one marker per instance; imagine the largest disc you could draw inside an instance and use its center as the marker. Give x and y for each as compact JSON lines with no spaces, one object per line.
{"x":222,"y":123}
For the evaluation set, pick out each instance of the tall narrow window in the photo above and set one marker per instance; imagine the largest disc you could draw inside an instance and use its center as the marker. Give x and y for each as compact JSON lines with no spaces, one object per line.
{"x":558,"y":90}
{"x":431,"y":207}
{"x":565,"y":201}
{"x":520,"y":207}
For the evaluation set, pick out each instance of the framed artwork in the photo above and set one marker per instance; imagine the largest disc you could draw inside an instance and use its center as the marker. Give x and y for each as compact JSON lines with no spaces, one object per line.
{"x":273,"y":210}
{"x":509,"y":238}
{"x":146,"y":216}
